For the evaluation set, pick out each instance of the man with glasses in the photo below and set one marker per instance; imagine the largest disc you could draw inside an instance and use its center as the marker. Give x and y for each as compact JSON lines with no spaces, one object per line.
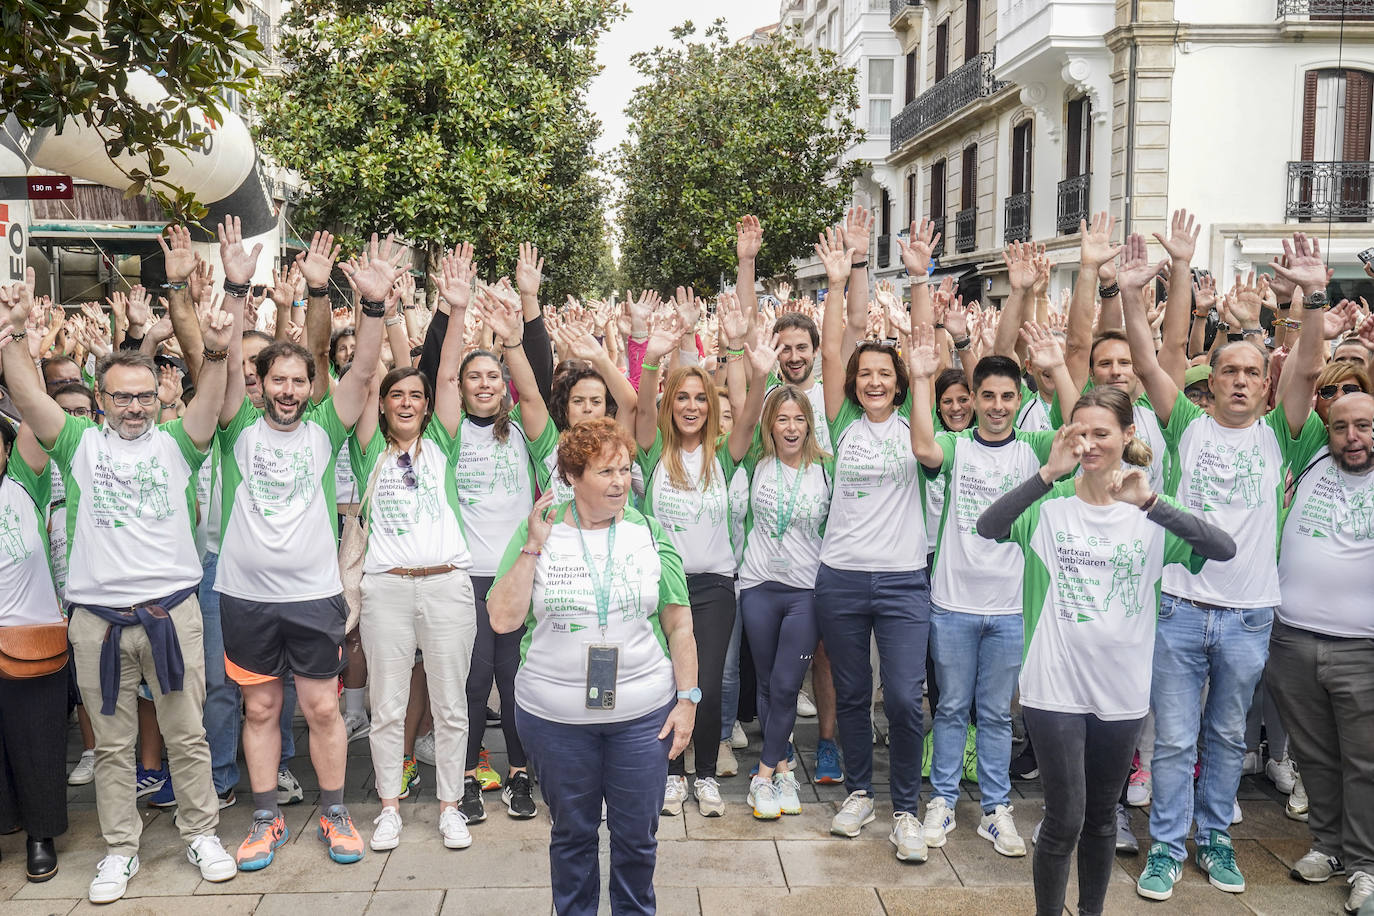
{"x":131,"y":587}
{"x":59,"y":372}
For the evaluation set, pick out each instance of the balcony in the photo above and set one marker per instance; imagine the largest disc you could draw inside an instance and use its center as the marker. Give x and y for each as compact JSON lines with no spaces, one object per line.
{"x":1327,"y":9}
{"x":938,"y":250}
{"x":965,"y":229}
{"x":1018,"y":218}
{"x":1336,"y":191}
{"x":258,"y":17}
{"x":884,"y":251}
{"x":1073,"y":203}
{"x":959,"y":89}
{"x":899,"y":7}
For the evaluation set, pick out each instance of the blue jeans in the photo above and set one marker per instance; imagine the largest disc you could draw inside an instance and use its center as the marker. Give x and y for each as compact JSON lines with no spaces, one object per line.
{"x":893,"y":608}
{"x":1194,"y":647}
{"x":578,"y":766}
{"x":729,"y":686}
{"x":223,"y":705}
{"x":977,"y":656}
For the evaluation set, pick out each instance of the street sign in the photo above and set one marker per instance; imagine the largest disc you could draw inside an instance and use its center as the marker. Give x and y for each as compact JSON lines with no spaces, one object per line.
{"x":51,"y":187}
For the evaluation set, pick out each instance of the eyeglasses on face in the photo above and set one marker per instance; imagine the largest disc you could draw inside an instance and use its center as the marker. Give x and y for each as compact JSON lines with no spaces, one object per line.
{"x":80,"y":411}
{"x":125,"y":398}
{"x":1327,"y":392}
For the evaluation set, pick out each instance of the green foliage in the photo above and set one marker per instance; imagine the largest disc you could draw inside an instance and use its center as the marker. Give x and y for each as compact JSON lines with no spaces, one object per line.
{"x":57,"y":61}
{"x":445,"y":121}
{"x":720,"y":130}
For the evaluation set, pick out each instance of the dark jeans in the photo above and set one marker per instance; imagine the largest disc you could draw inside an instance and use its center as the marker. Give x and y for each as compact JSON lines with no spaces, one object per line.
{"x":495,"y":657}
{"x":33,"y":754}
{"x":579,"y":766}
{"x":1324,"y":689}
{"x":713,"y":618}
{"x":895,"y":609}
{"x":781,"y":623}
{"x":1083,"y":761}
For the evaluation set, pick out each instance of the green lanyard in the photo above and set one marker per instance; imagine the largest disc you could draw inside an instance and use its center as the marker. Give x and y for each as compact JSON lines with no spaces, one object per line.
{"x":786,"y":509}
{"x":601,"y":584}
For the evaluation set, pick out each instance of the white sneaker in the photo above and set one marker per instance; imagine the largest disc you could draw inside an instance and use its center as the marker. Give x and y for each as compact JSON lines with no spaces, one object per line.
{"x":1251,"y":764}
{"x":207,"y":853}
{"x":1001,"y":829}
{"x":1139,"y":789}
{"x":1281,"y":774}
{"x":805,"y":708}
{"x":1361,"y":889}
{"x":387,"y":831}
{"x":84,"y":771}
{"x":424,"y":749}
{"x":1236,"y":815}
{"x":726,"y":764}
{"x":908,"y":836}
{"x":856,"y":811}
{"x":289,"y":790}
{"x":112,"y":876}
{"x":789,"y":792}
{"x":453,"y":827}
{"x":674,"y":794}
{"x":357,"y":727}
{"x":1316,"y":867}
{"x":738,"y":739}
{"x":1297,"y":800}
{"x":709,"y":802}
{"x":939,"y":822}
{"x":764,"y":798}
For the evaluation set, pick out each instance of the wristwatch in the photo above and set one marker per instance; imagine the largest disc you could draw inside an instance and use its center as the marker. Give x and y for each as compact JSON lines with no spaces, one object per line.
{"x":694,"y":695}
{"x":1317,"y":300}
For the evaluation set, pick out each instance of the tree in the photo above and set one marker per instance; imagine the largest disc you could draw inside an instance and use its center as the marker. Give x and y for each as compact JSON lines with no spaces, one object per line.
{"x":59,"y":61}
{"x":445,"y":121}
{"x":719,"y":130}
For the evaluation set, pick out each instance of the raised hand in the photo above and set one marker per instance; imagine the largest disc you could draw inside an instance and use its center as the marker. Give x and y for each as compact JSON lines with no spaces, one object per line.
{"x":1046,"y":355}
{"x":1245,"y":306}
{"x":283,"y":290}
{"x":239,"y":263}
{"x":896,"y":311}
{"x":858,"y":229}
{"x":919,"y":248}
{"x":455,"y":276}
{"x":201,"y":278}
{"x":168,"y":385}
{"x":1182,"y":240}
{"x":317,"y":261}
{"x":539,"y":525}
{"x":1041,"y":285}
{"x":19,"y":298}
{"x":1020,"y":260}
{"x":578,"y":343}
{"x":689,"y":307}
{"x":1204,"y":295}
{"x":1302,"y":266}
{"x":1095,"y":246}
{"x":500,"y":313}
{"x":1135,"y":269}
{"x":139,"y":310}
{"x":748,"y":237}
{"x":1068,"y":447}
{"x":665,"y":327}
{"x":1130,"y":485}
{"x":375,"y":270}
{"x":178,"y":260}
{"x":733,"y":321}
{"x":1344,"y":317}
{"x":835,"y":256}
{"x":763,"y":352}
{"x":922,"y":357}
{"x":957,"y":318}
{"x":784,"y":291}
{"x":161,"y":329}
{"x":529,"y":270}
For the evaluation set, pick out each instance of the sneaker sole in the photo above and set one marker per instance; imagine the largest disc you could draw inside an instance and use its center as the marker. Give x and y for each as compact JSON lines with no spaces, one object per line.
{"x":828,"y":780}
{"x":260,"y":864}
{"x":228,"y":877}
{"x":457,"y":844}
{"x":511,"y":812}
{"x":1298,"y":876}
{"x":766,"y":817}
{"x":792,"y":812}
{"x":840,"y":831}
{"x":1295,"y":815}
{"x":343,"y":858}
{"x":672,"y":810}
{"x":711,"y":811}
{"x":987,"y":835}
{"x":938,"y":842}
{"x":908,"y":857}
{"x":162,"y":806}
{"x":1138,"y":803}
{"x":479,"y":819}
{"x":360,"y":733}
{"x":1033,"y":774}
{"x":1228,"y":888}
{"x":1154,"y":895}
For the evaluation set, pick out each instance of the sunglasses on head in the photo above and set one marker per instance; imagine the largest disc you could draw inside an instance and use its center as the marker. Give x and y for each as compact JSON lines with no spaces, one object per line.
{"x":1327,"y":392}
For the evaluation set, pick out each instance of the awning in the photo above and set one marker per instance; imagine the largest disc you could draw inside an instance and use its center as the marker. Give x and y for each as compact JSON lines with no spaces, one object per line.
{"x":957,"y":271}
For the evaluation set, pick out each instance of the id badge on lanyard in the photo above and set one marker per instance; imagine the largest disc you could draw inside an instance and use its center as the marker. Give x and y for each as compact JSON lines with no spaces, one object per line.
{"x":603,"y":658}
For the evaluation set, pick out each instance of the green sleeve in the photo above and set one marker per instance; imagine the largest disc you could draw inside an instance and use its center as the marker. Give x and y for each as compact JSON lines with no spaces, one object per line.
{"x":1040,"y":443}
{"x":648,"y":458}
{"x":247,"y":415}
{"x":1056,"y":412}
{"x":1184,"y":413}
{"x":1298,"y":449}
{"x":1177,"y":550}
{"x":544,"y":446}
{"x":904,"y":408}
{"x":436,"y":433}
{"x":727,"y":460}
{"x":64,"y":447}
{"x":194,"y":457}
{"x":751,"y":458}
{"x":948,"y":443}
{"x":327,"y":418}
{"x":849,"y":412}
{"x":672,"y":581}
{"x":1023,"y":529}
{"x":38,"y":484}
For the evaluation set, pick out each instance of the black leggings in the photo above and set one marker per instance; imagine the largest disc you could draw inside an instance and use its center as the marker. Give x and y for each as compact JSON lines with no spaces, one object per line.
{"x":494,"y":657}
{"x":1083,"y":760}
{"x":33,"y":755}
{"x":713,"y":618}
{"x":781,"y":624}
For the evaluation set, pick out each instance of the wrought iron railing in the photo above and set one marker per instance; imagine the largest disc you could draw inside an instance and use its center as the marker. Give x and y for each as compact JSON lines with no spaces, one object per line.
{"x":257,"y":16}
{"x":938,"y":250}
{"x":960,"y":88}
{"x":901,"y":6}
{"x":965,"y":229}
{"x":884,"y":250}
{"x":1018,"y":217}
{"x":1328,"y":9}
{"x":1330,"y":191}
{"x":1073,"y":203}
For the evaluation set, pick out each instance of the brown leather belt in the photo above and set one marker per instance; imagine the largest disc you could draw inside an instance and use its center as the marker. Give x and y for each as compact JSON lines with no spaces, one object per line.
{"x":419,"y":572}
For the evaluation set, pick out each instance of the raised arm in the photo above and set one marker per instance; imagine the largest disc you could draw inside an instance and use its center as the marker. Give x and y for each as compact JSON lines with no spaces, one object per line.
{"x":529,"y":274}
{"x":500,"y":309}
{"x":179,"y":263}
{"x":206,"y":408}
{"x":373,"y":274}
{"x":1309,"y":274}
{"x":577,"y":340}
{"x":1135,"y":271}
{"x":1095,"y":254}
{"x":1204,"y":297}
{"x":454,"y":282}
{"x":1047,"y":356}
{"x":1181,"y":245}
{"x":916,"y":254}
{"x":239,"y":265}
{"x":40,"y":412}
{"x":664,"y":329}
{"x":763,"y":358}
{"x":316,"y":263}
{"x":1020,"y":260}
{"x":923,"y":362}
{"x":839,"y":332}
{"x":748,"y":241}
{"x":857,"y":229}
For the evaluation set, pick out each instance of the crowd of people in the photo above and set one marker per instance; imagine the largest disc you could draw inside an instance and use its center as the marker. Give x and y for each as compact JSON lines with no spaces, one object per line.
{"x":1139,"y":521}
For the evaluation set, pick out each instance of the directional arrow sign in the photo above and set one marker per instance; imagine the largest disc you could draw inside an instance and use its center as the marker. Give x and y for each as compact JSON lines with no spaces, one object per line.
{"x":50,"y":187}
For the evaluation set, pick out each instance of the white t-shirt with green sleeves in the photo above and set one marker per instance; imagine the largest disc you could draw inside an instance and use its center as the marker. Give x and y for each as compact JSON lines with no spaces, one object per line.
{"x":1326,"y":558}
{"x":816,"y":396}
{"x":496,"y":482}
{"x":877,"y":520}
{"x":130,"y":512}
{"x":27,"y":594}
{"x":415,"y":526}
{"x":972,"y":574}
{"x":1034,"y":414}
{"x":645,"y":573}
{"x":697,"y":521}
{"x":280,"y":527}
{"x":793,"y":556}
{"x":1234,"y":478}
{"x":1090,"y":599}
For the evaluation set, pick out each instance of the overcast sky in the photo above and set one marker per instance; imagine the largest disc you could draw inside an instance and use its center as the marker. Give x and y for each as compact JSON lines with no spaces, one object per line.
{"x":646,"y":27}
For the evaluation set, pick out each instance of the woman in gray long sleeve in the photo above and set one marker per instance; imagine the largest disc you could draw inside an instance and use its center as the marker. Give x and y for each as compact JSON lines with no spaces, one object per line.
{"x":1095,"y":548}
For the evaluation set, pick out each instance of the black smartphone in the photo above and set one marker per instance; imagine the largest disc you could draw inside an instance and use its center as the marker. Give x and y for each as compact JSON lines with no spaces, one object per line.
{"x":1366,"y":256}
{"x":603,"y":663}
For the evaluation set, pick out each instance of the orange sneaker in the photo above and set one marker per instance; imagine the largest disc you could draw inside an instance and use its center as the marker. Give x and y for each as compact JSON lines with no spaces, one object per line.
{"x":336,"y":830}
{"x":486,"y":776}
{"x":266,"y":835}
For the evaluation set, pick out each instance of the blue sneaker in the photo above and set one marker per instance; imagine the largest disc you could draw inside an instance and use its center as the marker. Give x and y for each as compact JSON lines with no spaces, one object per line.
{"x":163,"y":797}
{"x":148,"y":781}
{"x":827,"y":770}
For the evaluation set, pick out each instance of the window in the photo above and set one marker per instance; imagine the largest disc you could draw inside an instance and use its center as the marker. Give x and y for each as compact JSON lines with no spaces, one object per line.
{"x":885,"y":214}
{"x":937,"y":192}
{"x":832,"y":24}
{"x":912,"y":212}
{"x":973,"y":23}
{"x":910,"y":93}
{"x":1336,"y":116}
{"x":880,"y":79}
{"x":1080,"y":138}
{"x":968,"y":190}
{"x":941,"y":50}
{"x":1021,"y":158}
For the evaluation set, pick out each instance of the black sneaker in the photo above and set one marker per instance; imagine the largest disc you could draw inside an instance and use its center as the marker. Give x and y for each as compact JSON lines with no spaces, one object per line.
{"x":493,"y":717}
{"x":471,"y":806}
{"x":519,"y":796}
{"x":1024,"y":766}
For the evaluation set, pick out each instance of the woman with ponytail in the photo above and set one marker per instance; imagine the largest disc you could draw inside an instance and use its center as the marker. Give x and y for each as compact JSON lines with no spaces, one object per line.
{"x":1095,"y":548}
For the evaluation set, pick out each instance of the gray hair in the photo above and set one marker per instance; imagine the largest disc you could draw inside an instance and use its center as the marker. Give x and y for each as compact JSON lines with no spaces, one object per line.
{"x":132,"y":358}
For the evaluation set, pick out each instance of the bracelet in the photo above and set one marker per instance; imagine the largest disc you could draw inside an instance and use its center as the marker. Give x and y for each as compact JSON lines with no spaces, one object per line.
{"x":939,"y":325}
{"x":1207,"y":314}
{"x":731,"y":351}
{"x":180,"y":284}
{"x":1232,"y":336}
{"x":236,"y":290}
{"x":214,"y":356}
{"x":417,"y":351}
{"x":1292,"y":323}
{"x":1223,"y":326}
{"x":648,"y":367}
{"x":962,"y":342}
{"x":531,"y":553}
{"x":394,"y":320}
{"x":298,"y":304}
{"x":318,"y":292}
{"x":372,"y":308}
{"x":1107,"y":292}
{"x":506,"y":346}
{"x":1150,"y":503}
{"x":1246,"y":332}
{"x":164,"y":406}
{"x":857,"y":265}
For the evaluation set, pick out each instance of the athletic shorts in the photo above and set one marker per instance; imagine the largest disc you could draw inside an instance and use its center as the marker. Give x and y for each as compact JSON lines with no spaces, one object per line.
{"x":270,"y":639}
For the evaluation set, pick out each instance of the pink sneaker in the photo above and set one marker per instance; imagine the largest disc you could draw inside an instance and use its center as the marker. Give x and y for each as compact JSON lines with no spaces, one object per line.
{"x":1138,"y":788}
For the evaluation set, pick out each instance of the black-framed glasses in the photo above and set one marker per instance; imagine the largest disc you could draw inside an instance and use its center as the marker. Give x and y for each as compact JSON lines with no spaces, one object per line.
{"x":1327,"y":392}
{"x":80,"y":412}
{"x":125,"y":398}
{"x":408,"y":478}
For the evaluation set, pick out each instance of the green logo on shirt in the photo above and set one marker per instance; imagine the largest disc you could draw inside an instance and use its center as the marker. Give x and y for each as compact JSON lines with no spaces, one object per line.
{"x":1361,"y":507}
{"x":152,"y":489}
{"x":11,"y":536}
{"x":1249,"y":471}
{"x":1127,"y":566}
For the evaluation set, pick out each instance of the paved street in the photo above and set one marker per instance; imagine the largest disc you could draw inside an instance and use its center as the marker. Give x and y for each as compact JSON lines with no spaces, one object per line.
{"x":715,"y":866}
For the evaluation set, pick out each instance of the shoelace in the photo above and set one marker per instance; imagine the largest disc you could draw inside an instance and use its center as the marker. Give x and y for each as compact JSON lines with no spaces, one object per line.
{"x":854,"y":804}
{"x":1361,"y":883}
{"x":1004,"y":823}
{"x":342,"y":824}
{"x":1222,"y":855}
{"x":935,"y":815}
{"x":451,"y":813}
{"x":708,"y":785}
{"x":907,"y":823}
{"x":1159,"y":865}
{"x":260,"y":828}
{"x":111,"y":867}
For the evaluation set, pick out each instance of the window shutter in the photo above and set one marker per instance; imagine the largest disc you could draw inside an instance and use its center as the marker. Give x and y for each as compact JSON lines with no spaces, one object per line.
{"x":1358,"y":86}
{"x":972,"y":28}
{"x":1073,"y":167}
{"x":1309,"y":116}
{"x":968,"y":190}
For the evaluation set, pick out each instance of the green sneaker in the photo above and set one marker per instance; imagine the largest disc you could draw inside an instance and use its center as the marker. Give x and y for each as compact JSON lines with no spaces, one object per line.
{"x":1161,"y":873}
{"x":410,"y":776}
{"x":1218,"y":859}
{"x":971,"y":754}
{"x":927,"y":751}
